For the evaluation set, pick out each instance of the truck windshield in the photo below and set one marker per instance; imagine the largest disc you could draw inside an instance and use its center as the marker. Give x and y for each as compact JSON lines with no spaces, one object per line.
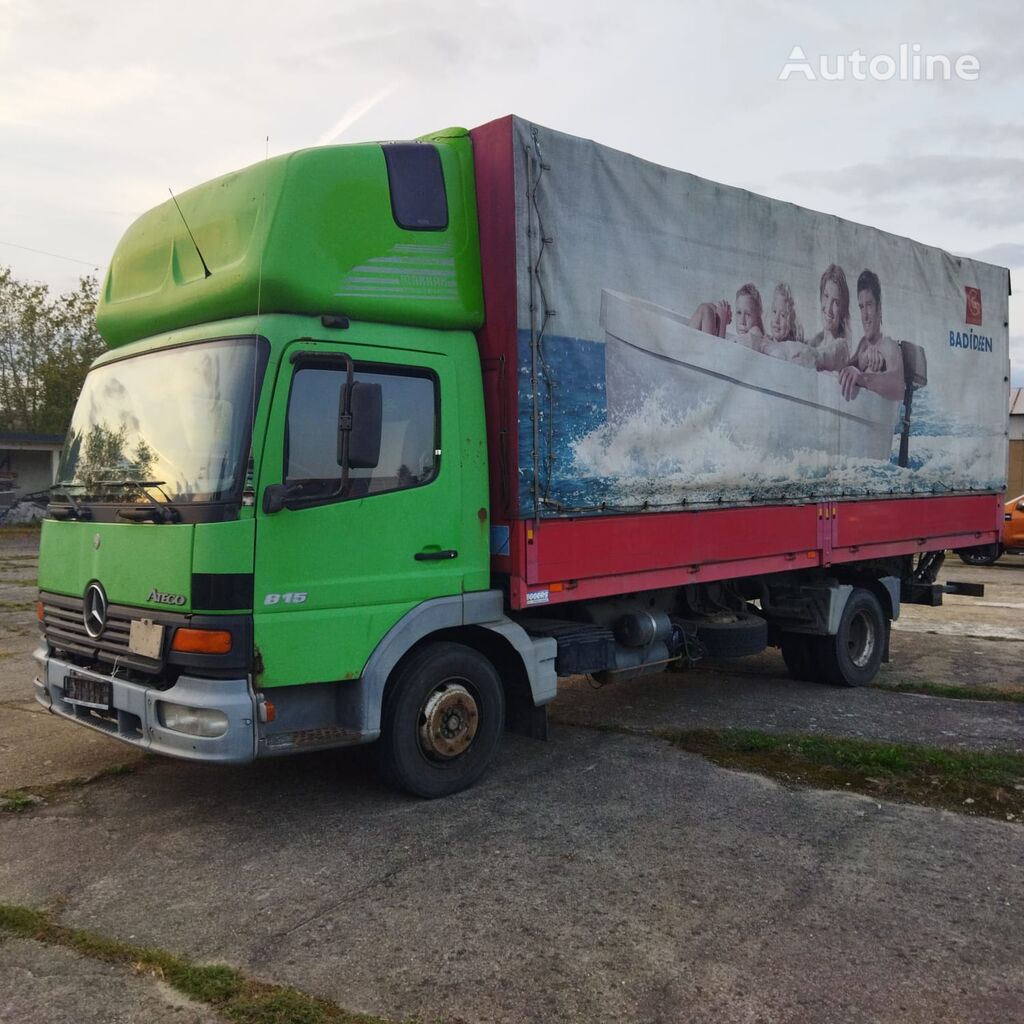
{"x":180,"y":418}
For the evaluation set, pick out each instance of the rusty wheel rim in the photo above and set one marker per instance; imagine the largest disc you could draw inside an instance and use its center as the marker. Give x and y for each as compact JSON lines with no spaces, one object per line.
{"x":449,"y":720}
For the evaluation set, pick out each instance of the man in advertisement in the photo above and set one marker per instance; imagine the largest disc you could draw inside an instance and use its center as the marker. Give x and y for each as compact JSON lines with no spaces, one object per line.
{"x":878,"y":363}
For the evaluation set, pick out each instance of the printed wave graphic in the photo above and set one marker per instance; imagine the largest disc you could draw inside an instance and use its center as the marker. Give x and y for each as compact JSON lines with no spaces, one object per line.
{"x":652,"y":458}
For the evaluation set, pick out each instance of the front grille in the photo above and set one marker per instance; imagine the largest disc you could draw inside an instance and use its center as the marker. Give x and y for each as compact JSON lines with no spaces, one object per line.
{"x":65,"y":631}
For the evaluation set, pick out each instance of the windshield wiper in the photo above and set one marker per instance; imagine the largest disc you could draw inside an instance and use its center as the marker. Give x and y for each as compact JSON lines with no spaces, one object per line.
{"x":155,"y":512}
{"x":75,"y":511}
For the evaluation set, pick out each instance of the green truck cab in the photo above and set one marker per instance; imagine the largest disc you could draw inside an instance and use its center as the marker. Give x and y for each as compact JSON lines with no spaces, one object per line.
{"x":270,"y":530}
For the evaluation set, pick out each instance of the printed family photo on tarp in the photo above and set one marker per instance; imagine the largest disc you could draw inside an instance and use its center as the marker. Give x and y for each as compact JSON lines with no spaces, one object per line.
{"x":684,"y":343}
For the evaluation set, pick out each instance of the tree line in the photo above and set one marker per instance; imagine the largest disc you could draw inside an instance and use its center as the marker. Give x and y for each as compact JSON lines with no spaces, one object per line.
{"x":46,"y":345}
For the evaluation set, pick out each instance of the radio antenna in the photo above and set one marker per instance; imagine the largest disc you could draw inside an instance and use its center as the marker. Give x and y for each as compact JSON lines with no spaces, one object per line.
{"x":206,"y":269}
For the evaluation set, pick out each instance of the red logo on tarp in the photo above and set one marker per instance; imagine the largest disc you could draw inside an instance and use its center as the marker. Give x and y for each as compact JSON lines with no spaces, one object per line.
{"x":973,"y":305}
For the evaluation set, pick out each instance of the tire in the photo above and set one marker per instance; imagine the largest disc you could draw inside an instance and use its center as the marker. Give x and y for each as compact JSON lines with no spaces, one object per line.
{"x":798,"y":655}
{"x":986,"y":554}
{"x":442,"y":720}
{"x":747,"y":635}
{"x":853,"y":656}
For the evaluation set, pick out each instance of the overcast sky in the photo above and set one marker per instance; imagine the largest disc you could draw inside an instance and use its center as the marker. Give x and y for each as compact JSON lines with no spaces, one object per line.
{"x":105,"y":105}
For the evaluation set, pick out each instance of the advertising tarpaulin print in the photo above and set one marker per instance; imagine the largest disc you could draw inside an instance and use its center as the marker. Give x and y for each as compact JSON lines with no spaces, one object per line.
{"x":685,"y":344}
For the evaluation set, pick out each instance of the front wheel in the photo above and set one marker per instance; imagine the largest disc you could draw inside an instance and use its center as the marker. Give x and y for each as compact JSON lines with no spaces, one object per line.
{"x":853,"y":656}
{"x":442,"y":720}
{"x":986,"y":554}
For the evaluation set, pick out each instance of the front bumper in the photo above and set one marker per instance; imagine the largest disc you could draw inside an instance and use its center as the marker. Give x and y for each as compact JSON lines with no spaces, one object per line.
{"x":134,"y":714}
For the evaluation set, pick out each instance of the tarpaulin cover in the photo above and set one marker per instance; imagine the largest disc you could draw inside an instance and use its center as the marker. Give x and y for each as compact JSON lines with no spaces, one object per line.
{"x":684,"y":344}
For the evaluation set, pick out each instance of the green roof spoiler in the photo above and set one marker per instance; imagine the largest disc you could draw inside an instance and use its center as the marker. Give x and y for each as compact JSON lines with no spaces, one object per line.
{"x":313,"y":232}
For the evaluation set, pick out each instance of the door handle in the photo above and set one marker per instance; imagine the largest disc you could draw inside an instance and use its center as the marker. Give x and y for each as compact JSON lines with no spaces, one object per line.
{"x":435,"y":556}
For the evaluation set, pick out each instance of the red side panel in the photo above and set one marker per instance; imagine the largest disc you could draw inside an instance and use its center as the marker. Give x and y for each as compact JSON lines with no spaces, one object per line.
{"x":877,"y":529}
{"x":495,"y":200}
{"x":574,"y":559}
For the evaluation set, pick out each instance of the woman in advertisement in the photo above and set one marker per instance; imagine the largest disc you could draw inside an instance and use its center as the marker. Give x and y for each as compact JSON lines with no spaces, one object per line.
{"x":832,"y":342}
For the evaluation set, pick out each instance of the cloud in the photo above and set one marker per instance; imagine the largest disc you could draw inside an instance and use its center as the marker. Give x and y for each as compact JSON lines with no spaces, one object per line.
{"x":983,"y":191}
{"x":940,"y":170}
{"x":428,"y":40}
{"x":967,"y":132}
{"x":984,"y":209}
{"x":808,"y":15}
{"x":44,"y":93}
{"x":988,"y":28}
{"x":1004,"y":254}
{"x":358,"y":110}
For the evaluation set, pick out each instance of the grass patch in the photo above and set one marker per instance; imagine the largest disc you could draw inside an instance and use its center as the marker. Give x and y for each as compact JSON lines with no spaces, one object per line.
{"x":17,"y":800}
{"x":229,"y":992}
{"x":978,"y":783}
{"x":954,"y":692}
{"x":16,"y":606}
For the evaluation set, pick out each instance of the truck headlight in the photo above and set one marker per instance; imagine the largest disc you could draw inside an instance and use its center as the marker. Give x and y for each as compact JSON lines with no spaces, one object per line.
{"x":206,"y":722}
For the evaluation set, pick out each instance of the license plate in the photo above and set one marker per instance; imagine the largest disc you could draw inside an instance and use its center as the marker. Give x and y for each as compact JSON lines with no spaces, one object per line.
{"x":87,"y":693}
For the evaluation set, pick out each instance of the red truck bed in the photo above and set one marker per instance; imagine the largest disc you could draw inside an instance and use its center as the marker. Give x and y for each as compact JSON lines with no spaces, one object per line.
{"x":551,"y":557}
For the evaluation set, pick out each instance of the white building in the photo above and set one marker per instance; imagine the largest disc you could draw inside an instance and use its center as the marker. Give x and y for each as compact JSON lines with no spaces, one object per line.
{"x":28,"y":463}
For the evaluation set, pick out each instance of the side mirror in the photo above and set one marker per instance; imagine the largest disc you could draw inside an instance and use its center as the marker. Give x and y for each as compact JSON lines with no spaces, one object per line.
{"x":360,"y":425}
{"x":274,"y":498}
{"x":1020,"y":506}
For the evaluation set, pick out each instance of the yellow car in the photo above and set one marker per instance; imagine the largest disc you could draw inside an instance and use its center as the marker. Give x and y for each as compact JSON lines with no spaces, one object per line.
{"x":1012,"y":541}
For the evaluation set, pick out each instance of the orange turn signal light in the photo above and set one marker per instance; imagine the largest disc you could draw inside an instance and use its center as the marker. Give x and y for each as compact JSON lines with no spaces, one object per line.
{"x":201,"y":641}
{"x":39,"y":610}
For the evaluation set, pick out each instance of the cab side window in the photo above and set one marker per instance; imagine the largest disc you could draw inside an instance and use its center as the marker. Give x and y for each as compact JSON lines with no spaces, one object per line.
{"x":409,"y":436}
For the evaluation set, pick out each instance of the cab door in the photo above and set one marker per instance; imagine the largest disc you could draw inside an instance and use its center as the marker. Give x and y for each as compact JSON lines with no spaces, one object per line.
{"x":335,"y":570}
{"x":1013,"y":527}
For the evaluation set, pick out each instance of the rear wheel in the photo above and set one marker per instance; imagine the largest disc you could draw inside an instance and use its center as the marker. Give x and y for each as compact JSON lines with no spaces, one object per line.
{"x":853,"y":656}
{"x":442,"y":720}
{"x":986,"y":554}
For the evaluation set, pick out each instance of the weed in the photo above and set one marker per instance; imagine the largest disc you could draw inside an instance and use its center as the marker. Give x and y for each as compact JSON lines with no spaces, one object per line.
{"x":955,"y":692}
{"x":972,"y":782}
{"x":22,"y":800}
{"x":229,"y":992}
{"x":16,"y":800}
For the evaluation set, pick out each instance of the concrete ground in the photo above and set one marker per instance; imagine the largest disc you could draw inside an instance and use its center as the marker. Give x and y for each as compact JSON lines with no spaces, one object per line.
{"x":35,"y":747}
{"x":596,"y":877}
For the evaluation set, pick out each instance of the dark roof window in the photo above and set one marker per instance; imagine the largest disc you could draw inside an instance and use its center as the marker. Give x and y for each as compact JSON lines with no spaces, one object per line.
{"x":416,"y":180}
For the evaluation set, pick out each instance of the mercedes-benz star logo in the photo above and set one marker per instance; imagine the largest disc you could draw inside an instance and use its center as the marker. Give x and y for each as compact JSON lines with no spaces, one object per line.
{"x":94,"y":610}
